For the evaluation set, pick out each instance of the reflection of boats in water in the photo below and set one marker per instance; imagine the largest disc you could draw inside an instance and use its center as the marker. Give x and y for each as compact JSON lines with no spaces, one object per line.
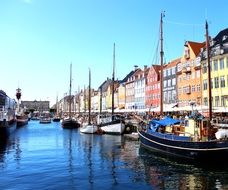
{"x":7,"y":115}
{"x":166,"y":172}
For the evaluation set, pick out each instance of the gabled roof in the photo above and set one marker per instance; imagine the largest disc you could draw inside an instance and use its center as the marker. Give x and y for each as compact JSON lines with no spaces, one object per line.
{"x":221,"y":38}
{"x":157,"y":68}
{"x":173,"y":63}
{"x":196,"y":46}
{"x":127,"y":76}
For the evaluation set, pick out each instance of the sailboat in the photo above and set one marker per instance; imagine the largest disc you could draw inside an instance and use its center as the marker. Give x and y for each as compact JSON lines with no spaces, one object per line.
{"x":89,"y":127}
{"x":70,"y":122}
{"x":112,"y":124}
{"x":196,"y":141}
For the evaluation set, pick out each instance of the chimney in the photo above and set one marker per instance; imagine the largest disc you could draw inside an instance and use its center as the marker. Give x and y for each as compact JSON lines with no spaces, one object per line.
{"x":145,"y":67}
{"x":136,"y":67}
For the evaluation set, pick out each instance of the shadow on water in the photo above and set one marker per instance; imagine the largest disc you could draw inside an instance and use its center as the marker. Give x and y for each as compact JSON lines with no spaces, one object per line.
{"x":165,"y":172}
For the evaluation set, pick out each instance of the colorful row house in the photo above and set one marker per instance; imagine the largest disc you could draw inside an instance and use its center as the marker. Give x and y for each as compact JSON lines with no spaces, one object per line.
{"x":185,"y":85}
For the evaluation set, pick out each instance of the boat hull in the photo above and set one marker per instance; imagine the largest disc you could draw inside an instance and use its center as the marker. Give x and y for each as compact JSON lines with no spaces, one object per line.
{"x":22,"y":120}
{"x":6,"y":128}
{"x":208,"y":150}
{"x":70,"y":124}
{"x":90,"y":129}
{"x":115,"y":127}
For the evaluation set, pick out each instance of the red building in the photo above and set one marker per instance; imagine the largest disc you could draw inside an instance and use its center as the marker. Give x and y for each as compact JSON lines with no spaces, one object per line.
{"x":153,"y":87}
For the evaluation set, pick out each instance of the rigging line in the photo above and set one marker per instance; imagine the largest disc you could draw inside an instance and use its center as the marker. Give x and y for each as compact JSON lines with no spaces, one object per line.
{"x":155,"y":58}
{"x":182,"y":24}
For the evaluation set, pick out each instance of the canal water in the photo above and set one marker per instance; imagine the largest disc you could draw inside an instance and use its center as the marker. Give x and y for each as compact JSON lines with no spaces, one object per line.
{"x":45,"y":156}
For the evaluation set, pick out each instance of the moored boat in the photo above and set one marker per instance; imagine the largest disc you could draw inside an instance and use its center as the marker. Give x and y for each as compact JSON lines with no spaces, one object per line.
{"x":21,"y":116}
{"x":89,"y":127}
{"x":197,"y":138}
{"x":7,"y":115}
{"x":45,"y":117}
{"x":70,"y":122}
{"x":112,"y":124}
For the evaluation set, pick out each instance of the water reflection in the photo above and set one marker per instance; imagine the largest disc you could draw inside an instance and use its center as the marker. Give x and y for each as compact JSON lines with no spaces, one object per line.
{"x":169,"y":173}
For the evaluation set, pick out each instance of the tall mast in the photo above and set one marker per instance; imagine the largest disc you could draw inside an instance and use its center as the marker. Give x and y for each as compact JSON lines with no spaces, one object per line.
{"x":100,"y":99}
{"x":70,"y":90}
{"x":161,"y":55}
{"x":209,"y":72}
{"x":89,"y":101}
{"x":113,"y":79}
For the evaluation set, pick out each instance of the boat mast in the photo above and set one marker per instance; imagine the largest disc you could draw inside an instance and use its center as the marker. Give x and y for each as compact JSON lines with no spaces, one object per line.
{"x":70,"y":90}
{"x":113,"y":79}
{"x":161,"y":55}
{"x":209,"y":72}
{"x":89,"y":101}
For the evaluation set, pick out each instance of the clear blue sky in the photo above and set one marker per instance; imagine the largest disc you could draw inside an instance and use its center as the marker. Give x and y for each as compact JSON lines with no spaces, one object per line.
{"x":40,"y":38}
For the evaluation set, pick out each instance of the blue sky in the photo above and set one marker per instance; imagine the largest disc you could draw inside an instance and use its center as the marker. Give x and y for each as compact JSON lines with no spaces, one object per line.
{"x":40,"y":38}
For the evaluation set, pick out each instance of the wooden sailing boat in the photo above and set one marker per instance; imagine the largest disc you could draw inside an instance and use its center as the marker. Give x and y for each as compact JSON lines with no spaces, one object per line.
{"x":196,"y":140}
{"x":70,"y":122}
{"x":112,"y":124}
{"x":89,"y":127}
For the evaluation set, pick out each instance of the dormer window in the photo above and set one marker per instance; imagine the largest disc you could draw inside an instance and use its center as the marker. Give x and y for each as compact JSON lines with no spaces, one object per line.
{"x":186,"y":52}
{"x":224,"y":38}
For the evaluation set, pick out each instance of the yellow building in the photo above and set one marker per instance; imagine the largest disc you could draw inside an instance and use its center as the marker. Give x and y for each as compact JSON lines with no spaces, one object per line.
{"x":219,"y":72}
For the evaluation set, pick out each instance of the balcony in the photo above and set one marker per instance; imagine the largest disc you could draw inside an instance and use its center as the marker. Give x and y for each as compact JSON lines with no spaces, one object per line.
{"x":187,"y":69}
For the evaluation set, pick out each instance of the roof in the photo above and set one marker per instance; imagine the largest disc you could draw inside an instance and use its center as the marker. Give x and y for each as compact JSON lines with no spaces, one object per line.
{"x":196,"y":46}
{"x":221,"y":38}
{"x":173,"y":63}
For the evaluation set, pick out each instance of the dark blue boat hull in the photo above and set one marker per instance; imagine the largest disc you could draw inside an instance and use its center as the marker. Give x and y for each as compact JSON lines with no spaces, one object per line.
{"x":214,"y":150}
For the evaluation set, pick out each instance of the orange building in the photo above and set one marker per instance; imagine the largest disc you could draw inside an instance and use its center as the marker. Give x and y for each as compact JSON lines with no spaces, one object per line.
{"x":189,"y":75}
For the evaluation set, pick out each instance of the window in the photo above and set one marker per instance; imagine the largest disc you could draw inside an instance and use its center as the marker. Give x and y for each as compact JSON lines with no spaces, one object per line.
{"x":165,"y":83}
{"x":216,"y":80}
{"x":205,"y":84}
{"x":226,"y":62}
{"x":205,"y":101}
{"x":216,"y":101}
{"x":188,"y":76}
{"x":222,"y":81}
{"x":193,"y":75}
{"x":221,"y":61}
{"x":198,"y":74}
{"x":216,"y":65}
{"x":173,"y":81}
{"x":198,"y":88}
{"x":223,"y":101}
{"x":169,"y":82}
{"x":204,"y":68}
{"x":168,"y":72}
{"x":193,"y":88}
{"x":173,"y":71}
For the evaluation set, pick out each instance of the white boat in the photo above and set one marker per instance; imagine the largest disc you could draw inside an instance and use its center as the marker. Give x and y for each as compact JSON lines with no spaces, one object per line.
{"x":112,"y":124}
{"x":89,"y":127}
{"x":45,"y":117}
